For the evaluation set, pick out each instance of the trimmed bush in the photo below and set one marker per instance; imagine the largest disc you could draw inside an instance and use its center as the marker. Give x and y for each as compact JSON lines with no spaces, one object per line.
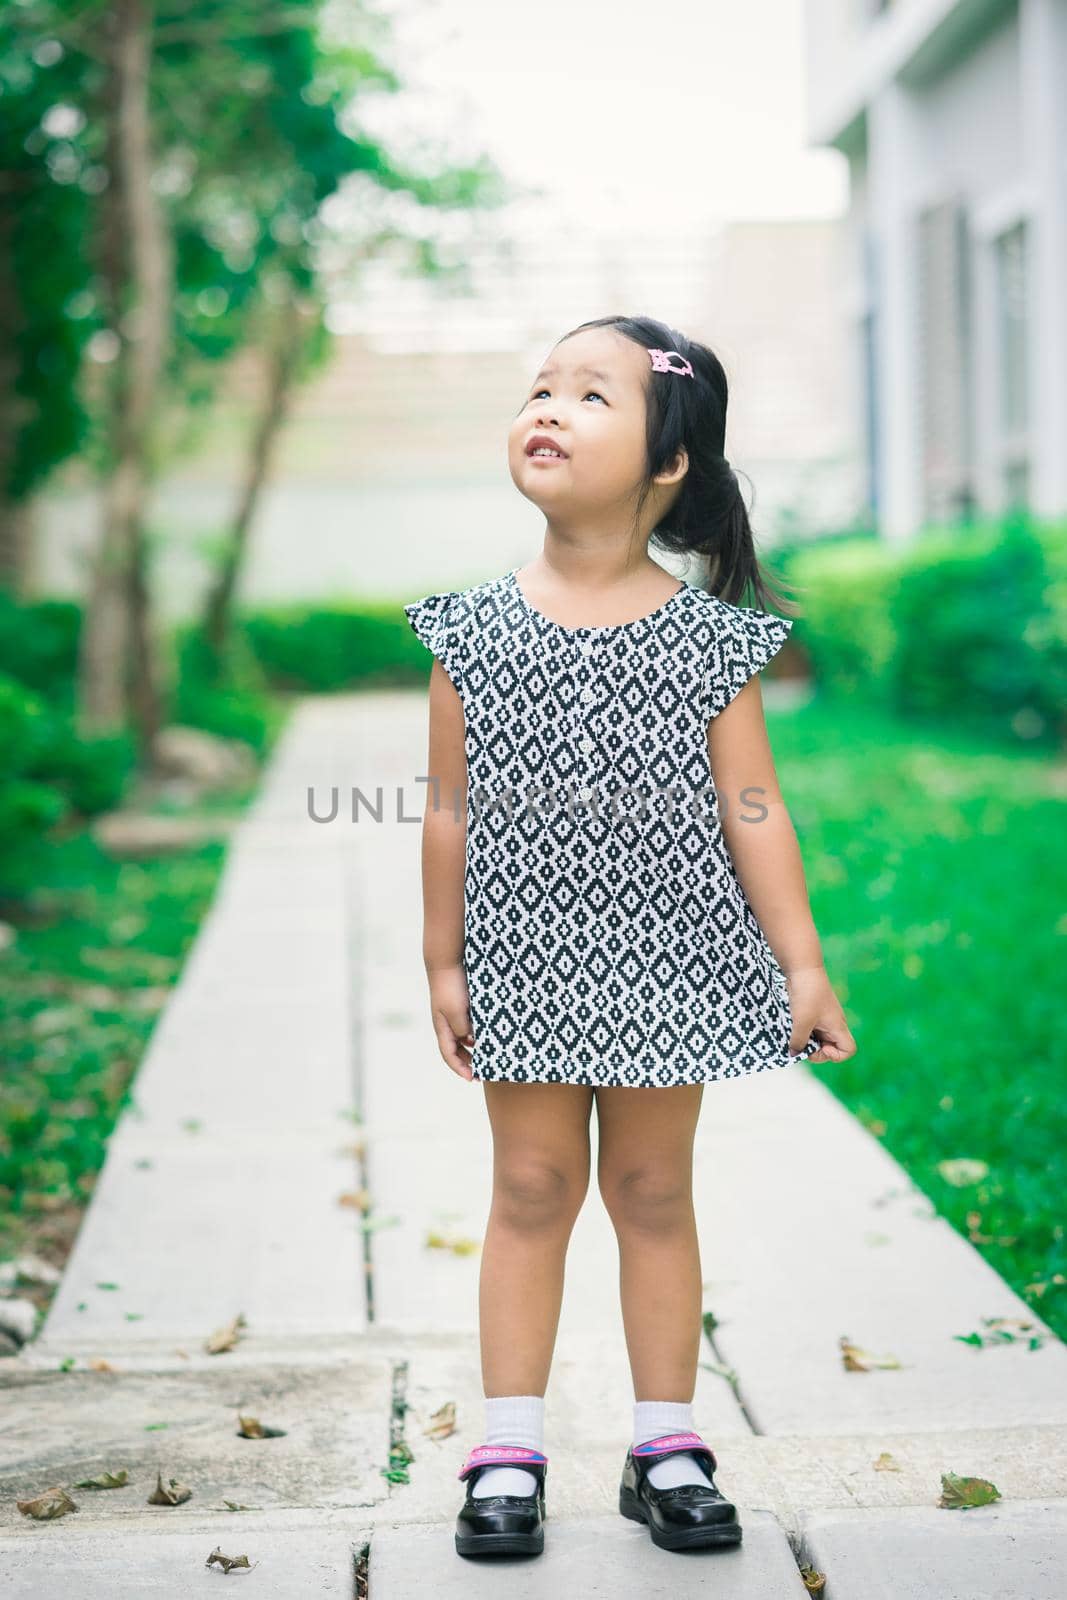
{"x":967,"y":624}
{"x":324,"y":648}
{"x":846,"y":593}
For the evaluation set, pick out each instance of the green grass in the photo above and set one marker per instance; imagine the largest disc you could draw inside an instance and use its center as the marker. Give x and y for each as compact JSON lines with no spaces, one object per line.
{"x":80,"y":998}
{"x":938,"y":882}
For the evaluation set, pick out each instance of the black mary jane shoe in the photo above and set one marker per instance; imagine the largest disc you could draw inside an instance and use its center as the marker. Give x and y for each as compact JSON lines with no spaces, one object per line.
{"x":502,"y":1524}
{"x":688,"y":1517}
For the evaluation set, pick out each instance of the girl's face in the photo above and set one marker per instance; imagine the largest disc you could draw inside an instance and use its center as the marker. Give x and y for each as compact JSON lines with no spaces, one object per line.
{"x":589,"y":400}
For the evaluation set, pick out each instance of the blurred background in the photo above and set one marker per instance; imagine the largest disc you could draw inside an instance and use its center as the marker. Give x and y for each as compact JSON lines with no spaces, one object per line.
{"x":273,"y":279}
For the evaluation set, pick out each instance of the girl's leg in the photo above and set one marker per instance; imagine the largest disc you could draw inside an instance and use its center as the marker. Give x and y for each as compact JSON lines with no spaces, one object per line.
{"x":540,"y":1179}
{"x":645,"y":1173}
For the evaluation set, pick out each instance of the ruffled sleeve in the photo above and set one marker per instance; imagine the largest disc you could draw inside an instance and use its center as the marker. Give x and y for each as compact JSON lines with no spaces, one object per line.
{"x":434,"y":619}
{"x":743,"y":642}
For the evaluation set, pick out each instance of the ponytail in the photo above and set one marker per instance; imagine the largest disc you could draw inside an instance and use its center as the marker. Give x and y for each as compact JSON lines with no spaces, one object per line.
{"x":709,"y":518}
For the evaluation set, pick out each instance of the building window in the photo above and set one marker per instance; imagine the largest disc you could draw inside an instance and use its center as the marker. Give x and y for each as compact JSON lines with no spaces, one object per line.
{"x":1013,"y":363}
{"x":867,"y":330}
{"x":946,"y":393}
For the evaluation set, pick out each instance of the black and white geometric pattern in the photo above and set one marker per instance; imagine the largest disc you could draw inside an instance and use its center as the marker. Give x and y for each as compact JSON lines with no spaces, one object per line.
{"x":607,"y":938}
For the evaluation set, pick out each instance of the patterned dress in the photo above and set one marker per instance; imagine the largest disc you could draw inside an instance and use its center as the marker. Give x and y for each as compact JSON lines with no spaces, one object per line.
{"x":607,"y":937}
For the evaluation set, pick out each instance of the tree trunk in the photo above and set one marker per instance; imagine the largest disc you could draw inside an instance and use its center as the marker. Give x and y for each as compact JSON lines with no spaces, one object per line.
{"x":283,"y":359}
{"x":16,"y":542}
{"x":118,"y":668}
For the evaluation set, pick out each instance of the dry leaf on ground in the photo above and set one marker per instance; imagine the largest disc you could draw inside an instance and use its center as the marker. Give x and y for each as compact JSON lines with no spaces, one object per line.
{"x":226,"y":1337}
{"x":171,"y":1493}
{"x":443,"y":1421}
{"x":960,"y":1494}
{"x":227,"y":1563}
{"x":53,"y":1502}
{"x":857,"y":1360}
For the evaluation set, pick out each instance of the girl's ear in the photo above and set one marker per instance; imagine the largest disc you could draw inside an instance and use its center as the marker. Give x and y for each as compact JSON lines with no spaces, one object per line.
{"x":677,"y":470}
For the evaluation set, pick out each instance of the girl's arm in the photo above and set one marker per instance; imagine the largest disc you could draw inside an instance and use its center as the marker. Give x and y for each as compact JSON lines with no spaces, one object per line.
{"x":444,"y":843}
{"x":762,"y":841}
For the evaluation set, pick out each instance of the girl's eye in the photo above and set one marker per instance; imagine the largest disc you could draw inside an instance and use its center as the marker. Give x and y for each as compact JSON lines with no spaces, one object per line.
{"x":588,"y":392}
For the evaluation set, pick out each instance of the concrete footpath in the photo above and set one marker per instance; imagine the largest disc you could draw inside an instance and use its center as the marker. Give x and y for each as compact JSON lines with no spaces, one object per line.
{"x":294,"y":1082}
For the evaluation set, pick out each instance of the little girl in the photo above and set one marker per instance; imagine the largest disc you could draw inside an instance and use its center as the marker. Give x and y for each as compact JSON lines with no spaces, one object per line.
{"x":615,"y":904}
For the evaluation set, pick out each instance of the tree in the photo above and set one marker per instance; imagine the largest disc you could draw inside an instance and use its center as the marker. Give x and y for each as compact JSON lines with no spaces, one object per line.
{"x":213,"y":134}
{"x":284,"y":346}
{"x":118,"y":661}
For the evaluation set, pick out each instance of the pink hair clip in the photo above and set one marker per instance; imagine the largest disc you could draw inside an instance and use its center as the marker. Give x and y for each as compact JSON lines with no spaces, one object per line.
{"x":661,"y":363}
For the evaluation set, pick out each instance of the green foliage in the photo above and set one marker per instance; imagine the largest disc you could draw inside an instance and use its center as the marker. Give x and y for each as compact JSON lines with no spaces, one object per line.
{"x":48,"y":773}
{"x":39,"y":642}
{"x":28,"y":808}
{"x":230,"y":697}
{"x":252,"y":133}
{"x":846,"y":627}
{"x":38,"y":662}
{"x":46,"y":144}
{"x":966,"y":624}
{"x":93,"y":772}
{"x":323,"y":648}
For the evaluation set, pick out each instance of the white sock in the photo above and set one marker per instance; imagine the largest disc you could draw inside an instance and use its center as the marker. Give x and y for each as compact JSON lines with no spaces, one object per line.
{"x":512,"y":1419}
{"x":655,"y":1417}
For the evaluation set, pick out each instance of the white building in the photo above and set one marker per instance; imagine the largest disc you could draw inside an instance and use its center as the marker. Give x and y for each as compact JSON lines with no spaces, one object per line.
{"x":953,"y":117}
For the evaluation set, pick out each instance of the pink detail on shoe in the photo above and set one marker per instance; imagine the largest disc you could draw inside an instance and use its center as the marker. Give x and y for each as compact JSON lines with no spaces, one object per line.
{"x":501,"y":1454}
{"x":668,"y":1441}
{"x":670,"y":1444}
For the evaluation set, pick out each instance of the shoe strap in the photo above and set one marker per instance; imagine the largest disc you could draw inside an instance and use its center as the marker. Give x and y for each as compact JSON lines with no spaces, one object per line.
{"x":673,"y":1444}
{"x":491,"y":1455}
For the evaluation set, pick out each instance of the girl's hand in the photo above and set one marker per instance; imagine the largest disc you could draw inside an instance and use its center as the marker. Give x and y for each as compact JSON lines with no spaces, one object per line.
{"x":816,"y":1010}
{"x":450,"y":1008}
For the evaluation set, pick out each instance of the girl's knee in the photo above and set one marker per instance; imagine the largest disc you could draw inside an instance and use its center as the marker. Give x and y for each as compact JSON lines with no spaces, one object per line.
{"x":647,"y":1198}
{"x":532,"y":1194}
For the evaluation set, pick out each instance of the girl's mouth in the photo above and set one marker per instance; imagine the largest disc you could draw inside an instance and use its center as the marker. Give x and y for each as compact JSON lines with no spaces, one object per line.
{"x":545,"y":448}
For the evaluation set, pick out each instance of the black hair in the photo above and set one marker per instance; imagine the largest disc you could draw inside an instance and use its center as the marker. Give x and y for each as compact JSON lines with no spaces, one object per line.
{"x":709,"y":518}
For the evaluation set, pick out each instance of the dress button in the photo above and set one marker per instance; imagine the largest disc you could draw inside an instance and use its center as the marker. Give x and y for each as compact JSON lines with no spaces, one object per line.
{"x":585,"y":793}
{"x":585,"y":745}
{"x":587,"y":695}
{"x":586,"y":647}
